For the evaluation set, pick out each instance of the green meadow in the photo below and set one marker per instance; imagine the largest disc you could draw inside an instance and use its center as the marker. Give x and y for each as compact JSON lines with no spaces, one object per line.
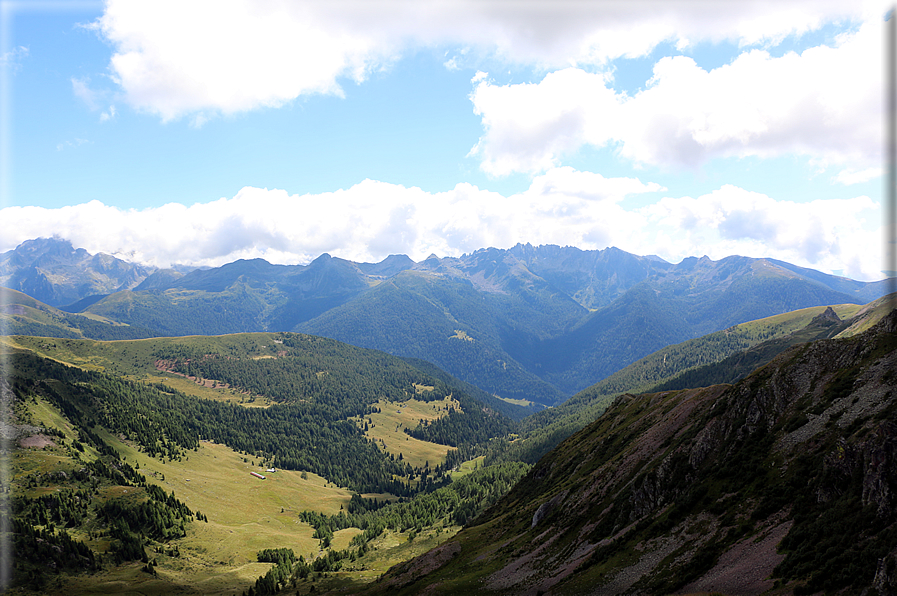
{"x":245,"y":514}
{"x":386,"y":429}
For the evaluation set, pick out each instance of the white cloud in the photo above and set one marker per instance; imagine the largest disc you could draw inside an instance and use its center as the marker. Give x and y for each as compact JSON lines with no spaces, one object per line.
{"x":563,"y":206}
{"x":108,"y":114}
{"x":225,"y":56}
{"x":81,"y":89}
{"x":174,"y":58}
{"x":530,"y":127}
{"x":365,"y":222}
{"x":12,"y":60}
{"x":829,"y":235}
{"x":825,"y":103}
{"x":73,"y":143}
{"x":848,"y":177}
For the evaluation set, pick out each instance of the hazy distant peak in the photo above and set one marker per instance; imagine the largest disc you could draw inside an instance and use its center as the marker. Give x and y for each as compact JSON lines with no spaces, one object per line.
{"x":391,"y":265}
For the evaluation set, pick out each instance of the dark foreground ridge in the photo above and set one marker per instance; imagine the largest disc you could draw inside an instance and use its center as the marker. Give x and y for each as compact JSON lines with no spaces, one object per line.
{"x":785,"y":482}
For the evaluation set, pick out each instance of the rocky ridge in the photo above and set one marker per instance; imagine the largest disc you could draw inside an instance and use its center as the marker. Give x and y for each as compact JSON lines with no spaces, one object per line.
{"x":784,"y":482}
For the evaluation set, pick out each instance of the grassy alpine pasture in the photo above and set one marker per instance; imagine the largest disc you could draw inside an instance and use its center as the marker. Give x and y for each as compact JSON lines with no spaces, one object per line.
{"x":133,"y":359}
{"x":204,"y":391}
{"x":785,"y":323}
{"x":517,"y":402}
{"x":136,"y":357}
{"x":246,"y":514}
{"x":386,"y":428}
{"x":469,"y":466}
{"x":388,"y":550}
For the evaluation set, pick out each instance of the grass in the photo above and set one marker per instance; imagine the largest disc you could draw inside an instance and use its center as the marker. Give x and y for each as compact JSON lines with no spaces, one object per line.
{"x":190,"y":387}
{"x":518,"y":402}
{"x":788,"y":322}
{"x":136,"y":357}
{"x":469,"y":466}
{"x":245,"y":514}
{"x":342,"y":538}
{"x":53,"y":458}
{"x":389,"y":549}
{"x":386,"y":427}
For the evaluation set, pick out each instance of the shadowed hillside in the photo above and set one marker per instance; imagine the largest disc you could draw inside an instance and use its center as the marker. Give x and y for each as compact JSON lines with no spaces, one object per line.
{"x":783,"y":480}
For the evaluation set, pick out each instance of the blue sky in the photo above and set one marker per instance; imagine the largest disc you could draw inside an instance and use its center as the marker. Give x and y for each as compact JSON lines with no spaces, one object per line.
{"x":200,"y":133}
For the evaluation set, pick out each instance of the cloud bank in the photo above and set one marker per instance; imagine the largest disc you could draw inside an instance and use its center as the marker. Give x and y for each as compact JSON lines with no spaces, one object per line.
{"x":563,"y":206}
{"x":208,"y":57}
{"x":825,"y":103}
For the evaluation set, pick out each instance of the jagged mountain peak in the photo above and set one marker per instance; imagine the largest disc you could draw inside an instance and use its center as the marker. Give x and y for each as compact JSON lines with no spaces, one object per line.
{"x":56,"y":273}
{"x":561,"y":318}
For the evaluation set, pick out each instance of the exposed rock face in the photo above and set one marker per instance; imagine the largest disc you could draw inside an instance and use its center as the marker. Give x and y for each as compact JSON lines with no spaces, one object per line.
{"x":880,"y":470}
{"x":827,"y":317}
{"x":886,"y":575}
{"x":727,"y":488}
{"x":406,"y":573}
{"x":545,"y":509}
{"x":54,"y":272}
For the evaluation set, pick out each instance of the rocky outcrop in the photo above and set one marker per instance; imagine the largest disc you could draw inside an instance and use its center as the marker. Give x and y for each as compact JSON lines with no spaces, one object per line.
{"x":827,"y":318}
{"x":885,"y":582}
{"x":880,"y":471}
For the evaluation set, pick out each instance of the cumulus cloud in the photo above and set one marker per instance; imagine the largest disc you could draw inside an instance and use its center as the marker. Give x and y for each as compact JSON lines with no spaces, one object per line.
{"x":830,"y":234}
{"x":212,"y":56}
{"x":824,"y":103}
{"x":372,"y":219}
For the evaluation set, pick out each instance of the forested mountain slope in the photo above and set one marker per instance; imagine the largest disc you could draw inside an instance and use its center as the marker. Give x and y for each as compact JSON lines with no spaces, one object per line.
{"x":530,"y":323}
{"x":97,"y":455}
{"x":785,"y":479}
{"x":721,"y":357}
{"x":21,"y":314}
{"x":445,"y":320}
{"x":642,"y":305}
{"x":319,"y":394}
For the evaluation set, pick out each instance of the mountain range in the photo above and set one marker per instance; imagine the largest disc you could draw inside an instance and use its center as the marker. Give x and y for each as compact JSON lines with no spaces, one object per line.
{"x":758,"y":457}
{"x":528,"y":323}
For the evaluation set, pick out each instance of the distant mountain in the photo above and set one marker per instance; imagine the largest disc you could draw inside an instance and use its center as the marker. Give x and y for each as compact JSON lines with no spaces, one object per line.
{"x":784,"y":481}
{"x":443,"y":319}
{"x":721,"y":357}
{"x":246,"y":295}
{"x":565,"y":316}
{"x":21,"y":314}
{"x":528,"y":323}
{"x":54,"y":272}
